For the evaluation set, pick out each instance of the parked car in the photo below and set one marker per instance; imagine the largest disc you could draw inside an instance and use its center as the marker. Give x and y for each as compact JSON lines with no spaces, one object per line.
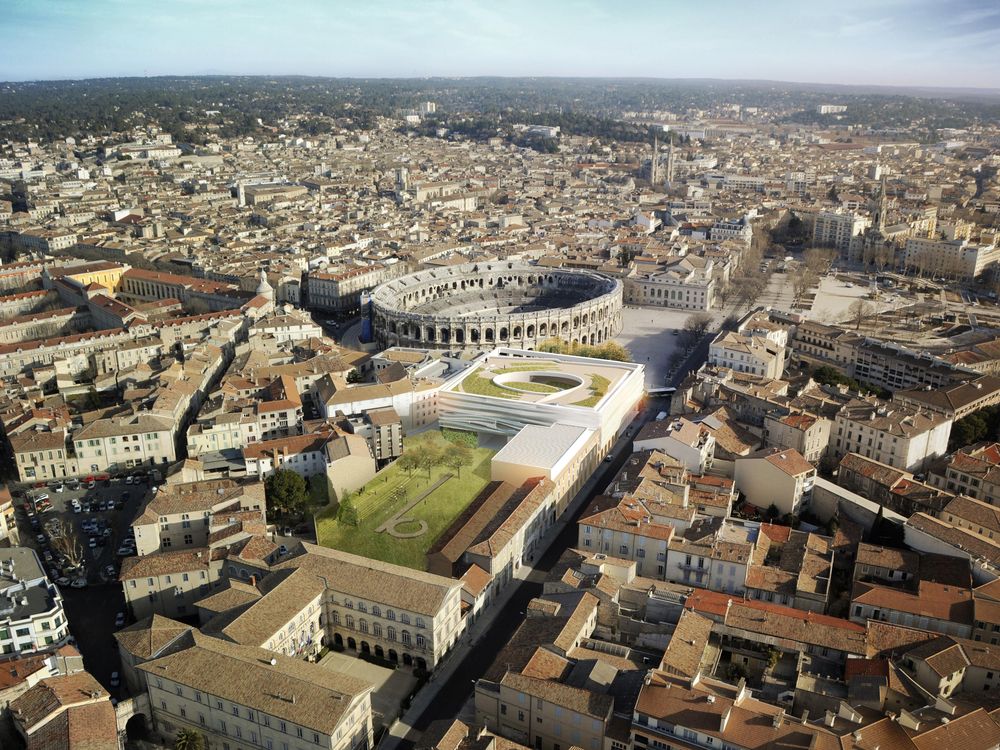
{"x":79,"y":583}
{"x":119,"y":619}
{"x":62,"y":581}
{"x":109,"y":571}
{"x":40,"y":538}
{"x":92,"y":543}
{"x":116,"y":680}
{"x":59,"y":487}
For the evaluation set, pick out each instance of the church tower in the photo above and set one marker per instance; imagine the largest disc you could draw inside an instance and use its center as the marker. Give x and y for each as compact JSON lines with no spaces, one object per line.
{"x":670,"y":164}
{"x":654,"y":164}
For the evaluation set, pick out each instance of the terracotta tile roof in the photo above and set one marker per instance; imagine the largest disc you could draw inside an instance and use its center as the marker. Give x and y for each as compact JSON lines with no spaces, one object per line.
{"x":774,"y":620}
{"x":973,"y":731}
{"x":939,"y":601}
{"x":54,"y":694}
{"x":147,"y":637}
{"x":688,"y":642}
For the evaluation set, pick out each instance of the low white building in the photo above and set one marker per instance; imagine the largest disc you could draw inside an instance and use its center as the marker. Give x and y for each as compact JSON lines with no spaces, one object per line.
{"x":782,"y":478}
{"x":31,"y":607}
{"x":689,"y":442}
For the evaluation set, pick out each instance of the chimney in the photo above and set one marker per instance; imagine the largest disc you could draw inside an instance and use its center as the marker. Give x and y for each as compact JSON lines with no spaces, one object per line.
{"x":253,"y":581}
{"x":908,"y":720}
{"x":778,"y":718}
{"x":829,"y":718}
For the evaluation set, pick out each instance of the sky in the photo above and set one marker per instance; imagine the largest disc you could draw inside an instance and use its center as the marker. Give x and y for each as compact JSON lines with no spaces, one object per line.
{"x":951,"y":43}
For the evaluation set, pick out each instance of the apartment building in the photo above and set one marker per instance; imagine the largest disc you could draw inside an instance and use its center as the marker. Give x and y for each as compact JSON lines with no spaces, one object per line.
{"x":821,"y":344}
{"x":756,"y":355}
{"x":702,"y":712}
{"x":41,"y":455}
{"x":179,"y":516}
{"x":170,"y":582}
{"x":954,"y":401}
{"x":957,"y":259}
{"x":776,"y":477}
{"x":341,"y":290}
{"x":9,"y":535}
{"x":241,"y":696}
{"x":805,"y":433}
{"x":405,"y":616}
{"x":841,"y":230}
{"x":386,"y":434}
{"x":31,"y":609}
{"x":678,"y":437}
{"x":65,"y":711}
{"x":893,"y":367}
{"x":890,"y":433}
{"x":973,"y":470}
{"x":123,"y":442}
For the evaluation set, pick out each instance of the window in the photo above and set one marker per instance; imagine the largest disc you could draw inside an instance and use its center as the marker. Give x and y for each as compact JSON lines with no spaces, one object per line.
{"x":503,"y":709}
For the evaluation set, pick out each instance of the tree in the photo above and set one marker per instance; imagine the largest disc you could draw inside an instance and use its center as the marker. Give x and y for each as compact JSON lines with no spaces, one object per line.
{"x":65,"y":541}
{"x":859,"y":312}
{"x":355,"y":376}
{"x":456,"y":456}
{"x":697,"y":325}
{"x":188,"y":739}
{"x":428,"y":457}
{"x":409,"y":461}
{"x":818,"y":259}
{"x":347,"y":513}
{"x":319,"y":489}
{"x":286,"y":492}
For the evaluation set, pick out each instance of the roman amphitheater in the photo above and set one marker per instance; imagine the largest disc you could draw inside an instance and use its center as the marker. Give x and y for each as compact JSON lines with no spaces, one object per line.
{"x":478,"y":306}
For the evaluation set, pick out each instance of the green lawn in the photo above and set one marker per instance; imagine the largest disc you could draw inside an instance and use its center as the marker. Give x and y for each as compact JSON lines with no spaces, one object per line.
{"x":391,"y":490}
{"x":480,"y":386}
{"x":598,"y":387}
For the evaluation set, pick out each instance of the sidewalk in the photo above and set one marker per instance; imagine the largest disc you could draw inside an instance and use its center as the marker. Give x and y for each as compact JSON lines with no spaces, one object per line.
{"x":402,"y":728}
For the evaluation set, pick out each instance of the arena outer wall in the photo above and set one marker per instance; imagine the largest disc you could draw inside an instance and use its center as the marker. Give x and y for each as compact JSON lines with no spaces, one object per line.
{"x":405,"y":315}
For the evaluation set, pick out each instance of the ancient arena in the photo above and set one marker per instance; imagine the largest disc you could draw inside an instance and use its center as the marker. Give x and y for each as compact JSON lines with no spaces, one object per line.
{"x":478,"y":306}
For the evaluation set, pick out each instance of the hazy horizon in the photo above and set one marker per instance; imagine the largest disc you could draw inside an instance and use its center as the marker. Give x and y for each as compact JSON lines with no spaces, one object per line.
{"x":889,"y":43}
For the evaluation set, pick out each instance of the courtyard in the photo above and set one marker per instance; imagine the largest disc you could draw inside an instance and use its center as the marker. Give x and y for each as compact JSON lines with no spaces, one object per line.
{"x":402,"y":513}
{"x":392,"y":686}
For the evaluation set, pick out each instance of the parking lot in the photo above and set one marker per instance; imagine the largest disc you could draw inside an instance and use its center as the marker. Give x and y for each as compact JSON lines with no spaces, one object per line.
{"x":98,"y":521}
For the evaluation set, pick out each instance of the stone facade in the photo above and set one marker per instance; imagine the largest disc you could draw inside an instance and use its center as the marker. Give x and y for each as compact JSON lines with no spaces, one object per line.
{"x":482,"y":305}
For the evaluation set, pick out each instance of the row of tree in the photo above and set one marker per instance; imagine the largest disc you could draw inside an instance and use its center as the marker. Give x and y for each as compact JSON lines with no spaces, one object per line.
{"x":608,"y":350}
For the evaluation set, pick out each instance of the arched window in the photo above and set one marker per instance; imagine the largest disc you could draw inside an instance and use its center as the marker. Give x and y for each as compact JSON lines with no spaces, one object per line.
{"x":391,"y":633}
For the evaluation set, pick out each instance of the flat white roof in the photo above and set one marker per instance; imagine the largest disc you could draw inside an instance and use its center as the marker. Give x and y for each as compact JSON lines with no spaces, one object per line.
{"x":541,"y":447}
